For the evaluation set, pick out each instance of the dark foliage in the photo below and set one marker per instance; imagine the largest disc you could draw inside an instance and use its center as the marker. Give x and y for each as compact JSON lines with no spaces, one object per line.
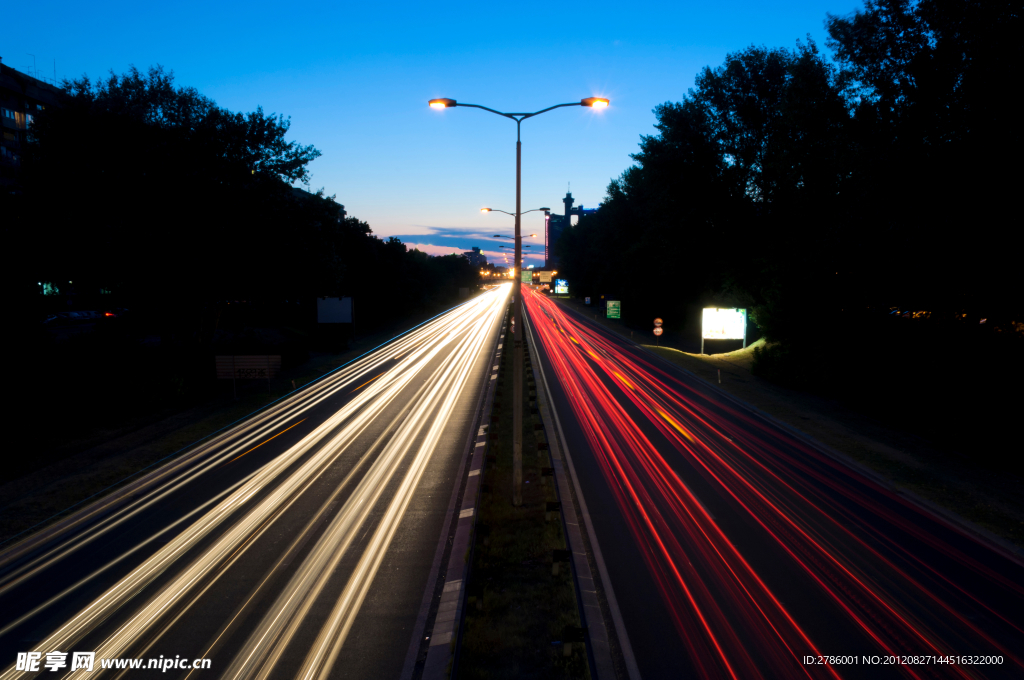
{"x":158,"y":195}
{"x":822,"y":194}
{"x":175,"y":207}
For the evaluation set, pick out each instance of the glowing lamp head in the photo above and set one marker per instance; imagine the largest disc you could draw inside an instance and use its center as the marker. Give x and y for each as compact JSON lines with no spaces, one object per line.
{"x":441,"y":103}
{"x":595,"y":102}
{"x":485,"y":210}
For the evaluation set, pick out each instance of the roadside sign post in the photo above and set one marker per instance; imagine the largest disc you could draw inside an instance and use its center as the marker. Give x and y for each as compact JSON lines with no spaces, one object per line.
{"x":230,"y":367}
{"x":657,"y":332}
{"x":613,"y":309}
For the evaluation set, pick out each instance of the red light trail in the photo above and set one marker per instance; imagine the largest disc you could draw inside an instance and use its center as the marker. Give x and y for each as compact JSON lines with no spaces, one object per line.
{"x":857,"y":546}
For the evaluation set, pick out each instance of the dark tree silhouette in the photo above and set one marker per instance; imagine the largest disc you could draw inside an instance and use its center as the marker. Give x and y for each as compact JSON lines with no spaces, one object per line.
{"x":182,"y":209}
{"x":728,"y":195}
{"x":821,"y":194}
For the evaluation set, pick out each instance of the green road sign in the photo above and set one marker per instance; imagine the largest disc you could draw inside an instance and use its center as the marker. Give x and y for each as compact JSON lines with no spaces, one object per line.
{"x":527,"y":276}
{"x":613,"y":309}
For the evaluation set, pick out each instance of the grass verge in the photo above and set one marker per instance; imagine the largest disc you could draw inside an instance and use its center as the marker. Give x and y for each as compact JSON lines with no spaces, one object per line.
{"x":517,"y":607}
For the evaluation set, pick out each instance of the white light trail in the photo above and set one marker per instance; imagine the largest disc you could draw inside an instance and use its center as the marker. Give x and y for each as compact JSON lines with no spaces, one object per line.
{"x":453,"y":342}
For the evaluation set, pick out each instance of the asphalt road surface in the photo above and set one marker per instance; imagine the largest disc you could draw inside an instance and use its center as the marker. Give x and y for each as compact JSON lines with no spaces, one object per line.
{"x":296,"y":544}
{"x":737,"y":550}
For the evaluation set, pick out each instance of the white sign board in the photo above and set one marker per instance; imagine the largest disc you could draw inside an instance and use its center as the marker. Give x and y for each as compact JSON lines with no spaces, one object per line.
{"x":545,"y":277}
{"x":724,"y":324}
{"x":334,"y":310}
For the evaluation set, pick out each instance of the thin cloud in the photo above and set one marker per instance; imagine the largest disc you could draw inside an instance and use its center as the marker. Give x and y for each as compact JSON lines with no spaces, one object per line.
{"x":496,"y":257}
{"x":431,"y":249}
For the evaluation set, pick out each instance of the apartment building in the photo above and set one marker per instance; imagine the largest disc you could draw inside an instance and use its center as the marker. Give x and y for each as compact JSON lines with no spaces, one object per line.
{"x":22,"y":97}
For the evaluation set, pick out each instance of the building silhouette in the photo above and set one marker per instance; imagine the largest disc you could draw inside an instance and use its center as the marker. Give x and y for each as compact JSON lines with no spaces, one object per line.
{"x":22,"y":97}
{"x":554,"y":225}
{"x":476,"y":258}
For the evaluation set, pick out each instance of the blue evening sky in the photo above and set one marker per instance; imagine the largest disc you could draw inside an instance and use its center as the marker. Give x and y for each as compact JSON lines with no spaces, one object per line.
{"x":355,"y":80}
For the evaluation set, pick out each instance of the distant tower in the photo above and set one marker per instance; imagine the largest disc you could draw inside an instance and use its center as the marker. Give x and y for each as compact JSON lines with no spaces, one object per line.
{"x":554,"y":225}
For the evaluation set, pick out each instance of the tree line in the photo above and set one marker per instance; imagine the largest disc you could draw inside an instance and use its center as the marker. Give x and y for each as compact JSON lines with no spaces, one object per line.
{"x":153,"y":192}
{"x":188,"y":216}
{"x":825,"y":193}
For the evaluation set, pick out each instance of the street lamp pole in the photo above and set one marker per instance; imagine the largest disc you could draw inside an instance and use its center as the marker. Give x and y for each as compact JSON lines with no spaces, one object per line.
{"x":517,"y":297}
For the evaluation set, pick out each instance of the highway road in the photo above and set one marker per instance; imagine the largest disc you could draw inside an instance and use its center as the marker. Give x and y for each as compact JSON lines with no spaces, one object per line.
{"x":296,"y":544}
{"x":737,"y":549}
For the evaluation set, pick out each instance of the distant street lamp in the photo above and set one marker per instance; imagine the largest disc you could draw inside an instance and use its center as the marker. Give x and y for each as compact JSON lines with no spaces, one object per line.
{"x":517,"y":308}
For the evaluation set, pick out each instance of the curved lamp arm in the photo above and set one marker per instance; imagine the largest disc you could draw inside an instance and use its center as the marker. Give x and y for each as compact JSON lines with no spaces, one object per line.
{"x":487,"y":210}
{"x":445,"y":103}
{"x":519,"y":117}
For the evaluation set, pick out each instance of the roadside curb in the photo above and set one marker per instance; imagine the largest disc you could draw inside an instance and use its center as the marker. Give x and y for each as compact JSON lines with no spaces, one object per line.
{"x":436,"y":636}
{"x":592,"y":617}
{"x":997,"y":543}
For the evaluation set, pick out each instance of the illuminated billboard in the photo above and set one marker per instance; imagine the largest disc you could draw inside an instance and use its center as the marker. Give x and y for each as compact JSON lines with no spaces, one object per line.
{"x":561,"y":287}
{"x":724,"y":324}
